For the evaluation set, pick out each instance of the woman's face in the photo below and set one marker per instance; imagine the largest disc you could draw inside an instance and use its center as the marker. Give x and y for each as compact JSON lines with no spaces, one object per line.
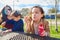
{"x":7,"y":11}
{"x":36,"y":14}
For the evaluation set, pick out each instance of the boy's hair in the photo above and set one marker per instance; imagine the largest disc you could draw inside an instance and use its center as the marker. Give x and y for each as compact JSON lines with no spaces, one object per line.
{"x":17,"y":13}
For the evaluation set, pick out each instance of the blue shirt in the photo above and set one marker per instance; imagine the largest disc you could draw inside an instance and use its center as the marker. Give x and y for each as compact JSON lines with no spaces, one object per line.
{"x":18,"y":26}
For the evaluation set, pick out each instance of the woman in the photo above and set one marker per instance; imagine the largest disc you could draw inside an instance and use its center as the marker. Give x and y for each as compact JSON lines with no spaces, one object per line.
{"x":33,"y":22}
{"x":6,"y":11}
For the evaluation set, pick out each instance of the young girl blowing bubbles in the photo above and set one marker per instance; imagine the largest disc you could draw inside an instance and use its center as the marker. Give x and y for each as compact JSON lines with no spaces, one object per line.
{"x":36,"y":24}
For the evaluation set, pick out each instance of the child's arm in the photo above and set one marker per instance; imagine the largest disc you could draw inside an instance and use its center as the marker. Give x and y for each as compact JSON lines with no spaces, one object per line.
{"x":27,"y":23}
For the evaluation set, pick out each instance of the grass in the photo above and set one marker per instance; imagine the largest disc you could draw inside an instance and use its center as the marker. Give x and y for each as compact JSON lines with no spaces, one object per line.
{"x":53,"y":32}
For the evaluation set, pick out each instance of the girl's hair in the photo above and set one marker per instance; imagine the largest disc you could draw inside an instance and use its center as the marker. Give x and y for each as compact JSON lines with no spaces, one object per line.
{"x":41,"y":10}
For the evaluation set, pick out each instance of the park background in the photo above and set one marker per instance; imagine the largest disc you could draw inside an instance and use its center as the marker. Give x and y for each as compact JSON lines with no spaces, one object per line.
{"x":51,"y":9}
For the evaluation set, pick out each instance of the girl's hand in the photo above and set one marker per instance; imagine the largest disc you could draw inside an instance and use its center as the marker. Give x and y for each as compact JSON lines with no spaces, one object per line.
{"x":27,"y":19}
{"x":44,"y":33}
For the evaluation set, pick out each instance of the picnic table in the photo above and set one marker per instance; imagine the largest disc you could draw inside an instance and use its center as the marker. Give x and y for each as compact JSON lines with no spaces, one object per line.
{"x":24,"y":36}
{"x":19,"y":36}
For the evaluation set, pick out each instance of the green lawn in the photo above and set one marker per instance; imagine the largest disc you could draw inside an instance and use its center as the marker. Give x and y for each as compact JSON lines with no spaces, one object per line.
{"x":53,"y":32}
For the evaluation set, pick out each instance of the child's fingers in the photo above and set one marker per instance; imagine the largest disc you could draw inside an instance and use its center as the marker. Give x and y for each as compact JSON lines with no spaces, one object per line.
{"x":44,"y":33}
{"x":25,"y":19}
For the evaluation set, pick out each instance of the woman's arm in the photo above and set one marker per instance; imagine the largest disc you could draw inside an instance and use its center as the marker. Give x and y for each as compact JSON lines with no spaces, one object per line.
{"x":3,"y":24}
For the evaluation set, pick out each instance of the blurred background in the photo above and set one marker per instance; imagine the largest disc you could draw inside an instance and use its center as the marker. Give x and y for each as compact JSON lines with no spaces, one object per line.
{"x":50,"y":7}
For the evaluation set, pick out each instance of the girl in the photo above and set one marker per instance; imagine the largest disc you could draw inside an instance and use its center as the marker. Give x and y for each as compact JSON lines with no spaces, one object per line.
{"x":36,"y":24}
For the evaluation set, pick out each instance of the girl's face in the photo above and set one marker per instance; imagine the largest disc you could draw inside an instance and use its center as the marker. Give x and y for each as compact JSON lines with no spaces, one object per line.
{"x":36,"y":14}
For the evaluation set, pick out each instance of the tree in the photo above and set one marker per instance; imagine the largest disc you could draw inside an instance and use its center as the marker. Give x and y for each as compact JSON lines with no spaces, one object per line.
{"x":52,"y":10}
{"x":25,"y":11}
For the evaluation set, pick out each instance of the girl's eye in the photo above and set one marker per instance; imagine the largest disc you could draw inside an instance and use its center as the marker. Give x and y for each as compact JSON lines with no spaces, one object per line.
{"x":34,"y":12}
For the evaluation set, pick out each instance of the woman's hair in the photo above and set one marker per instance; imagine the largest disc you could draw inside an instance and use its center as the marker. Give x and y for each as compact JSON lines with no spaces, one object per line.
{"x":41,"y":10}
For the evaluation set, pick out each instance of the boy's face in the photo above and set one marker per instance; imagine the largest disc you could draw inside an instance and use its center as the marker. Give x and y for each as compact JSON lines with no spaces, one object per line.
{"x":16,"y":18}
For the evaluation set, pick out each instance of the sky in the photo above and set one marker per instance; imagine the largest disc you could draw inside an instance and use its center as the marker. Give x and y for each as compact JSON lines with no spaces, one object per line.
{"x":18,"y":4}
